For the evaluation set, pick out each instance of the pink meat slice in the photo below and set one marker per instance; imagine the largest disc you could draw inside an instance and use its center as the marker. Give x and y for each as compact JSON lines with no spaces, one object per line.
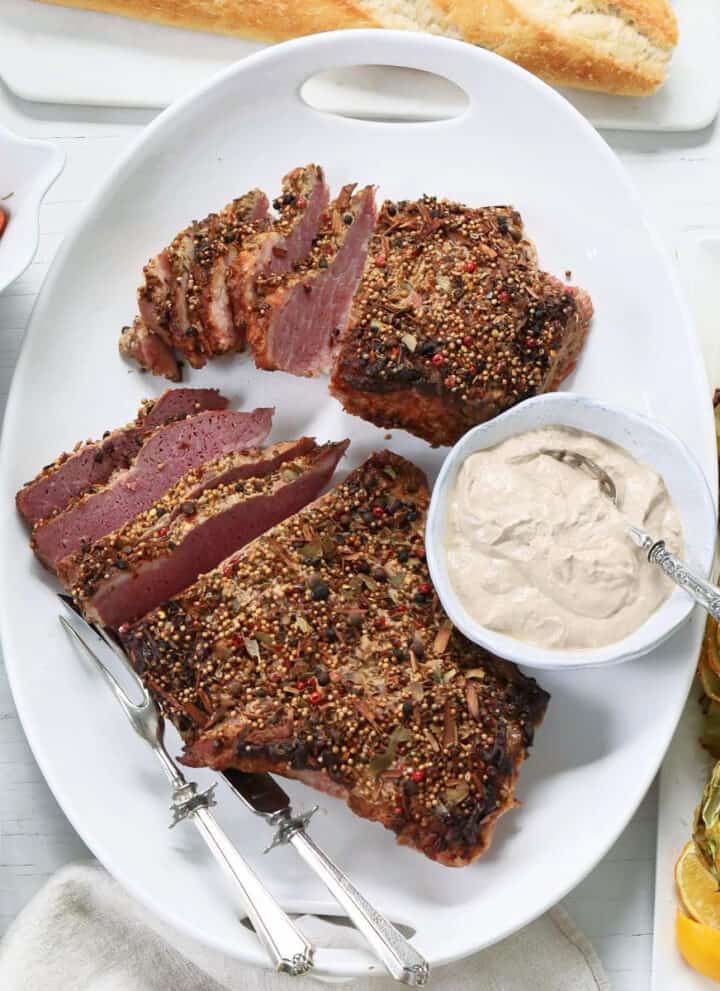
{"x":167,"y":455}
{"x":94,"y":462}
{"x":230,"y":468}
{"x":302,"y":203}
{"x":154,"y":296}
{"x":208,"y":536}
{"x":299,"y":323}
{"x":217,"y":240}
{"x":148,"y":350}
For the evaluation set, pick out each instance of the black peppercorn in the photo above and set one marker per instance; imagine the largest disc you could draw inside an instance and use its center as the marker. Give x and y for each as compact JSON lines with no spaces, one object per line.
{"x":322,"y":675}
{"x":320,"y":591}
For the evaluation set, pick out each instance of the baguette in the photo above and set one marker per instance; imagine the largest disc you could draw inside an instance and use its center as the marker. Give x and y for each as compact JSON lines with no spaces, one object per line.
{"x":257,"y":20}
{"x":613,"y":46}
{"x":618,"y":46}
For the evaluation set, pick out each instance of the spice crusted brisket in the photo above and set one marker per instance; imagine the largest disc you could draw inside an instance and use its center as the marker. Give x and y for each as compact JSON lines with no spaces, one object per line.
{"x":194,"y":527}
{"x":321,"y":652}
{"x":198,"y":292}
{"x":453,"y":321}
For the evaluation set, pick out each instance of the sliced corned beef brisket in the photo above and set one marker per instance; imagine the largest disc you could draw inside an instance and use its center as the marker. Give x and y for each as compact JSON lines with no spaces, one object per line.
{"x":298,"y":317}
{"x":168,"y":453}
{"x":92,"y":463}
{"x":126,"y":574}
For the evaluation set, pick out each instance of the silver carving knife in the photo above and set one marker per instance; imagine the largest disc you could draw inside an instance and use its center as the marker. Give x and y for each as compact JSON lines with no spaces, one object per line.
{"x":287,"y":947}
{"x":264,"y":796}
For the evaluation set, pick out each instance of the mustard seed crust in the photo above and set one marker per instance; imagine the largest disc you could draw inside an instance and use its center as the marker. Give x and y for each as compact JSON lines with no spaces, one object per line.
{"x":320,"y":651}
{"x":453,"y":321}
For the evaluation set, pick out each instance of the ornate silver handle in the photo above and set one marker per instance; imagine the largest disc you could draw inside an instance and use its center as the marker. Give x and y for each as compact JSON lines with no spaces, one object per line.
{"x":289,"y":949}
{"x":401,"y":959}
{"x":705,"y":594}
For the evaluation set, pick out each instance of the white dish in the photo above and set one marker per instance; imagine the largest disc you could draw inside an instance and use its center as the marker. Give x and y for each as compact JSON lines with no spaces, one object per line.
{"x":602,"y":741}
{"x":686,"y":766}
{"x":27,"y":170}
{"x":648,"y":442}
{"x":59,"y":55}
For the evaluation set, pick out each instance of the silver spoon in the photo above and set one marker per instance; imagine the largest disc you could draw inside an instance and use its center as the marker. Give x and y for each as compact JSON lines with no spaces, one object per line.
{"x":705,"y":594}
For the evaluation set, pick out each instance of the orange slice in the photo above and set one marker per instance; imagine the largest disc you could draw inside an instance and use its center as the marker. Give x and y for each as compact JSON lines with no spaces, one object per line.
{"x":699,"y":945}
{"x":697,"y":887}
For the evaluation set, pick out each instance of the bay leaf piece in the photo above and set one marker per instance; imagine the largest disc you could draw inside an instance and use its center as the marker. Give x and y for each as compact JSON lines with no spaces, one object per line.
{"x":381,"y":762}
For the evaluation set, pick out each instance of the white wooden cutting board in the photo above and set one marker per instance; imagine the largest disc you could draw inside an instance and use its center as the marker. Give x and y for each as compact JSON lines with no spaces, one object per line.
{"x":58,"y":55}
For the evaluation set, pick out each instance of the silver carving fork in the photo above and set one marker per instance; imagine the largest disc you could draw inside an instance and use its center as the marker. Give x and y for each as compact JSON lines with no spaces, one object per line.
{"x":288,"y":949}
{"x":264,"y":796}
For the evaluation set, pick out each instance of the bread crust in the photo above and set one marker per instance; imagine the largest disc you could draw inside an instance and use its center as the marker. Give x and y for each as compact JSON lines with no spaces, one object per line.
{"x":258,"y":20}
{"x":612,"y":46}
{"x":626,"y":53}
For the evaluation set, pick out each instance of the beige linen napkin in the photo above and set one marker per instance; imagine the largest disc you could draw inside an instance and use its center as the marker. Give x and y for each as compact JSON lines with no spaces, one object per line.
{"x":81,"y":932}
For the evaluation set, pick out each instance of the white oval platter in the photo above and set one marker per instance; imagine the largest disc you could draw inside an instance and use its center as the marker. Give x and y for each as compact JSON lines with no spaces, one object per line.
{"x":606,"y":730}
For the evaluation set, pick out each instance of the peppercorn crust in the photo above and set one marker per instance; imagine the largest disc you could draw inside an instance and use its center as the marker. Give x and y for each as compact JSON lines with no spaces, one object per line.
{"x":321,"y":652}
{"x":453,"y":321}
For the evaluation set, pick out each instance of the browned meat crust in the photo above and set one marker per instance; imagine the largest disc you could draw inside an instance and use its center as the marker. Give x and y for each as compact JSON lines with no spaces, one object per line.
{"x":321,"y":651}
{"x":453,"y":321}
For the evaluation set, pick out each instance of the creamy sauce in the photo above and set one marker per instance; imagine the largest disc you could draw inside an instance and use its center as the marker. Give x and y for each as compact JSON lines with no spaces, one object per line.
{"x":536,"y":551}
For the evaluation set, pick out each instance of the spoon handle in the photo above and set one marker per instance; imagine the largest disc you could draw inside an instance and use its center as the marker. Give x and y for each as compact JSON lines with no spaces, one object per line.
{"x":705,"y":594}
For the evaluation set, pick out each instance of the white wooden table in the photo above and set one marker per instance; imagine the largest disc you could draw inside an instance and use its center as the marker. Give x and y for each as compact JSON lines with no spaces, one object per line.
{"x":679,"y":181}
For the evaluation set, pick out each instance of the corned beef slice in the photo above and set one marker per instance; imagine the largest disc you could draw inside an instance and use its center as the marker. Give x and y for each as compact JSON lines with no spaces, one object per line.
{"x":184,"y":299}
{"x":167,"y":455}
{"x":230,"y":468}
{"x":198,"y":292}
{"x":149,"y":350}
{"x":220,"y":522}
{"x":276,"y":250}
{"x":93,"y":463}
{"x":298,"y":317}
{"x":216,"y":244}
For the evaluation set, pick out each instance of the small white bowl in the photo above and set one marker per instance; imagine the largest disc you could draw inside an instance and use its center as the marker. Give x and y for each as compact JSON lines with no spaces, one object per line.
{"x":27,"y":170}
{"x":648,"y":442}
